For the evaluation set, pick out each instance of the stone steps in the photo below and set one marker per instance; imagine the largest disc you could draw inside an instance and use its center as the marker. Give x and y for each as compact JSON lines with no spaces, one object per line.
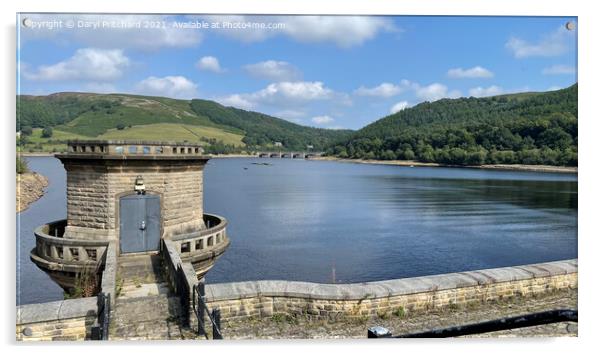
{"x":146,"y":317}
{"x":146,"y":308}
{"x":143,"y":269}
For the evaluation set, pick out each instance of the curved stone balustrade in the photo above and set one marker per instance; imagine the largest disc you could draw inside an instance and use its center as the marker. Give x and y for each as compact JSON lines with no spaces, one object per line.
{"x":64,"y":258}
{"x":204,"y":244}
{"x":53,"y":252}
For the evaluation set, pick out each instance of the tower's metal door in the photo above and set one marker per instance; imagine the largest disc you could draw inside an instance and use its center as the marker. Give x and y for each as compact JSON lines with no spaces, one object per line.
{"x":139,"y":223}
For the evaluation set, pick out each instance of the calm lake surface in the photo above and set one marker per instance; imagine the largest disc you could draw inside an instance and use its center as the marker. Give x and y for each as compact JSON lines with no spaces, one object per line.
{"x":299,"y":220}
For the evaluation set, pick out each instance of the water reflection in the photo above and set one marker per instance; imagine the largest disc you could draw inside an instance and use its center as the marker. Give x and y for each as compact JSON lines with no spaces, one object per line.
{"x":382,"y":222}
{"x":296,"y":219}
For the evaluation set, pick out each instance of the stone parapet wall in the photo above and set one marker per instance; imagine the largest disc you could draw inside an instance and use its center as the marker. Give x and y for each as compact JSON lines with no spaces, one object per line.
{"x":182,"y":279}
{"x":109,"y":274}
{"x":343,"y":301}
{"x":57,"y":320}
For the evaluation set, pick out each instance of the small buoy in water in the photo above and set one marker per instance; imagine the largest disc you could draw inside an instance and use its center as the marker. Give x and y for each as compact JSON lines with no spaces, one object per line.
{"x":411,"y":165}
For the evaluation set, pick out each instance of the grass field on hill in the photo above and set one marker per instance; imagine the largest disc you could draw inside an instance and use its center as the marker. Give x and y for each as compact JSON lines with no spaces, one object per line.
{"x":172,"y":132}
{"x":54,"y":144}
{"x":158,"y":132}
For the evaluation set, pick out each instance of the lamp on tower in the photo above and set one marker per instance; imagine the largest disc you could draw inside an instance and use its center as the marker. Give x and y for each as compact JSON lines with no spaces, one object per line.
{"x":139,"y":185}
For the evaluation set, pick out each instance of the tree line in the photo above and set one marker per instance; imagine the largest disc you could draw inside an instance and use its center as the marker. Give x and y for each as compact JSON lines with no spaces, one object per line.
{"x":512,"y":129}
{"x":262,"y":131}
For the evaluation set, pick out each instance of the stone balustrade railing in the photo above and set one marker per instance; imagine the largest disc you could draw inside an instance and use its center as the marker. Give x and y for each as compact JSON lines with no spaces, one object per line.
{"x":133,"y":147}
{"x":52,"y":247}
{"x":213,"y":238}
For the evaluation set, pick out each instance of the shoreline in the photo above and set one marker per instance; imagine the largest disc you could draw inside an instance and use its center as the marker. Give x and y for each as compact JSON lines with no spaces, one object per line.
{"x":409,"y":163}
{"x":31,"y":186}
{"x":36,"y":154}
{"x":403,"y":163}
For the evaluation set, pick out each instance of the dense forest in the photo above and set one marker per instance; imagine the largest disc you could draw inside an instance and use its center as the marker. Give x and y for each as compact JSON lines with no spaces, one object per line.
{"x":262,"y":130}
{"x":52,"y":110}
{"x":526,"y":128}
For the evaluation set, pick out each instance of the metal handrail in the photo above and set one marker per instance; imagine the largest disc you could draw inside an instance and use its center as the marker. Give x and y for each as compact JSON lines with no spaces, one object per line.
{"x":214,"y":315}
{"x":100,"y":331}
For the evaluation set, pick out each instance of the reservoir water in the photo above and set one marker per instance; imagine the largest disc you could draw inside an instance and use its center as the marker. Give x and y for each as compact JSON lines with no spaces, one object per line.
{"x":324,"y":221}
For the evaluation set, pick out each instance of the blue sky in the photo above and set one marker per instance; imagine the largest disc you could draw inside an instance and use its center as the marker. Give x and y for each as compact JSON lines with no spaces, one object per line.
{"x":323,"y":71}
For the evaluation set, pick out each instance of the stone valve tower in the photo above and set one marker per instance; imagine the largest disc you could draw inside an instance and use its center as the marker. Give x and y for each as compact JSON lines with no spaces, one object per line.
{"x":132,"y":194}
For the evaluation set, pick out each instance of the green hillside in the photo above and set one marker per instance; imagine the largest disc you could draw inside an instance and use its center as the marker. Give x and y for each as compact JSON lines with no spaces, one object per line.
{"x":121,"y":116}
{"x":526,"y":128}
{"x":261,"y":129}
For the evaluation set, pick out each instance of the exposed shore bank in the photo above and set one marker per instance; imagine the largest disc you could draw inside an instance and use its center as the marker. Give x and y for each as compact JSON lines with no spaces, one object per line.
{"x":30,"y":187}
{"x":531,"y":168}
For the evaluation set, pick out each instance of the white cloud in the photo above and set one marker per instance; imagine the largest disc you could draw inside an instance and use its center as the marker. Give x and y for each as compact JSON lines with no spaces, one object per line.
{"x":552,"y":44}
{"x":290,"y":97}
{"x":409,"y":84}
{"x":559,"y":70}
{"x":209,"y":63}
{"x":286,"y":93}
{"x":399,"y":106}
{"x":383,"y":90}
{"x":294,"y":91}
{"x":170,"y":86}
{"x":237,"y":101}
{"x":344,"y":31}
{"x":484,"y":92}
{"x":436,"y":91}
{"x":432,"y":92}
{"x":554,"y":88}
{"x":120,"y":36}
{"x":322,"y":120}
{"x":472,"y":73}
{"x":273,"y":70}
{"x":86,"y":64}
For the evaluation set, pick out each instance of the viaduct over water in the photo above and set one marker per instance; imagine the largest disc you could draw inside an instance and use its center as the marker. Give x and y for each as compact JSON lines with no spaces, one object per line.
{"x":289,"y":155}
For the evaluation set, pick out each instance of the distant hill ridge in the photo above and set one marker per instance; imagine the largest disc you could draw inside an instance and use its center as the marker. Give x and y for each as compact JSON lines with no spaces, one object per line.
{"x":524,"y":128}
{"x":91,"y":115}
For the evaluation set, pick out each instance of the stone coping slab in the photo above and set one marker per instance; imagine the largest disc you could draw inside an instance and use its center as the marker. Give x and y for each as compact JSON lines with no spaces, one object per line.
{"x":386,"y":288}
{"x":56,"y":310}
{"x":109,"y":275}
{"x":176,"y":262}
